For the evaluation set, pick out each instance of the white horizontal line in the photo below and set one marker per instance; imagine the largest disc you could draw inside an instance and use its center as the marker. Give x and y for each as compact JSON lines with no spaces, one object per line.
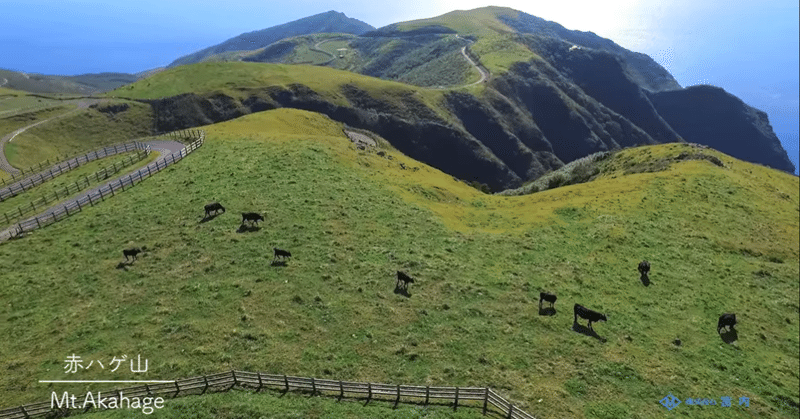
{"x":106,"y":381}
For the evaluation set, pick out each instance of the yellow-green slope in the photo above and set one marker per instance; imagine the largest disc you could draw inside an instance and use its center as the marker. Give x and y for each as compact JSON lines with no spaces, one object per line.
{"x":204,"y":296}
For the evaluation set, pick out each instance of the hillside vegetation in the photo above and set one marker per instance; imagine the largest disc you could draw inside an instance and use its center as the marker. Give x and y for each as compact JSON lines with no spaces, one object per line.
{"x":204,"y":296}
{"x":110,"y":122}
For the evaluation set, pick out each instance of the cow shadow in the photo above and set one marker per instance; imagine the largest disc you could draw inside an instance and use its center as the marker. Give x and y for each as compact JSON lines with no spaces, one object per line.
{"x":278,"y":263}
{"x":584,"y":330}
{"x":124,"y":264}
{"x":208,"y":218}
{"x":547,"y":311}
{"x":645,"y":280}
{"x":729,"y":336}
{"x":399,"y":290}
{"x":248,"y":228}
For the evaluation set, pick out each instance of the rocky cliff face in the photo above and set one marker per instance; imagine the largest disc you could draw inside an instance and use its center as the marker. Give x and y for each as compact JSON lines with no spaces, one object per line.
{"x":709,"y":115}
{"x":581,"y":94}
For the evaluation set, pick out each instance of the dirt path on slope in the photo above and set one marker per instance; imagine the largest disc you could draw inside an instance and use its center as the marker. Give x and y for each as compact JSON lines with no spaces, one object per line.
{"x":4,"y":164}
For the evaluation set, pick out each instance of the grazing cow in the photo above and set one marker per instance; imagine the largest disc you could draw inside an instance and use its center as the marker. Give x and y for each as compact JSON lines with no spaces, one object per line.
{"x":587,"y":314}
{"x":550,"y":298}
{"x":281,"y":253}
{"x":131,"y":252}
{"x":644,"y":268}
{"x":727,"y":319}
{"x":253,"y":217}
{"x":214,"y":206}
{"x":405,"y":279}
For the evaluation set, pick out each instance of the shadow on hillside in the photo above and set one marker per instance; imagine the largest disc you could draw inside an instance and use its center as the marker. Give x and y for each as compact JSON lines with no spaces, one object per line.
{"x":645,"y":280}
{"x":124,"y":265}
{"x":246,"y":228}
{"x":278,"y":263}
{"x":586,"y":331}
{"x":402,"y":291}
{"x":729,"y":336}
{"x":547,"y":311}
{"x":208,"y":218}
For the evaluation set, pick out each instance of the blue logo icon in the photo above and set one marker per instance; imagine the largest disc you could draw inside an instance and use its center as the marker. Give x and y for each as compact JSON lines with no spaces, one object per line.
{"x":670,"y":402}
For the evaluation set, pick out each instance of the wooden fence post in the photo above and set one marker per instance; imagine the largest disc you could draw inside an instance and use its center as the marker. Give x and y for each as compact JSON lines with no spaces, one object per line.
{"x":177,"y":388}
{"x":37,"y":223}
{"x":485,"y":399}
{"x":455,"y":405}
{"x":427,"y":394}
{"x":313,"y":386}
{"x":205,"y":380}
{"x":260,"y":383}
{"x":24,"y":412}
{"x":369,"y":392}
{"x":510,"y":411}
{"x":341,"y":390}
{"x":233,"y":374}
{"x":286,"y":382}
{"x":66,"y":209}
{"x":397,"y":400}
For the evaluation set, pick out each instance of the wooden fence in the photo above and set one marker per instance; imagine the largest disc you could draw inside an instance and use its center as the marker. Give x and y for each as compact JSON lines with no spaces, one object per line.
{"x":73,"y":188}
{"x":110,"y":189}
{"x":32,"y":180}
{"x":258,"y":381}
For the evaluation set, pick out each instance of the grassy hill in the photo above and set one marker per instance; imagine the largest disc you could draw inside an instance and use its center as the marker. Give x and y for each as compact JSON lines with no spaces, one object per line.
{"x":205,"y":298}
{"x":327,"y":22}
{"x":110,"y":122}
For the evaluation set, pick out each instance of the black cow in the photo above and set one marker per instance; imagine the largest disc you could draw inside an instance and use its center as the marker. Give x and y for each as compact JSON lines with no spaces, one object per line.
{"x":550,"y":298}
{"x":644,"y":268}
{"x":587,"y":314}
{"x":281,"y":253}
{"x":405,"y":279}
{"x":727,"y":319}
{"x":214,"y":206}
{"x":131,"y":252}
{"x":253,"y":217}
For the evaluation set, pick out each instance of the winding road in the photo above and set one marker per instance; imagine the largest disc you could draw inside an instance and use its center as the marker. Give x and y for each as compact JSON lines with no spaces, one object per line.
{"x":484,"y":72}
{"x":4,"y":164}
{"x":166,"y":147}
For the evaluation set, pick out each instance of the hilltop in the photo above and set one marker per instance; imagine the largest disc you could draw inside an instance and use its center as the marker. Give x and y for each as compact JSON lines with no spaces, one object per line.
{"x":204,"y":297}
{"x":327,"y":22}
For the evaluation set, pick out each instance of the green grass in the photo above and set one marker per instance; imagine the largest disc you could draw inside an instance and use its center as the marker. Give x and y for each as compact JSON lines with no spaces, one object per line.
{"x":496,"y":46}
{"x":15,"y":120}
{"x":84,"y":130}
{"x":203,"y":298}
{"x":58,"y":184}
{"x":238,"y":79}
{"x":244,"y":404}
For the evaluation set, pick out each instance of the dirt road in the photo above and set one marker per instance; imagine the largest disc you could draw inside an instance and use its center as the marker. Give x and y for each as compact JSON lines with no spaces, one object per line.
{"x":4,"y":164}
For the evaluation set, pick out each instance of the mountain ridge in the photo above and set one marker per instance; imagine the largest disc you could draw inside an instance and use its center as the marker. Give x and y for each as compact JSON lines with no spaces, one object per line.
{"x":331,"y":21}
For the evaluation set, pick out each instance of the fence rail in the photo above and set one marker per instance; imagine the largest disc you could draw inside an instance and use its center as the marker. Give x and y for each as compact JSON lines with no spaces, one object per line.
{"x":110,"y":189}
{"x":257,"y":381}
{"x":64,"y":166}
{"x":73,"y":188}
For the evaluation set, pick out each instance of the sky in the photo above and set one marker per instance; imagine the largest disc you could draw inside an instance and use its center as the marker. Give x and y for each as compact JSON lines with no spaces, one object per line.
{"x":749,"y":48}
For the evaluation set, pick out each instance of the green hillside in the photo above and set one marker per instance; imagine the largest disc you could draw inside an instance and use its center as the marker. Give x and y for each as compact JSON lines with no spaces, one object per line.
{"x":110,"y":122}
{"x":497,"y":46}
{"x":204,"y":297}
{"x":240,"y":79}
